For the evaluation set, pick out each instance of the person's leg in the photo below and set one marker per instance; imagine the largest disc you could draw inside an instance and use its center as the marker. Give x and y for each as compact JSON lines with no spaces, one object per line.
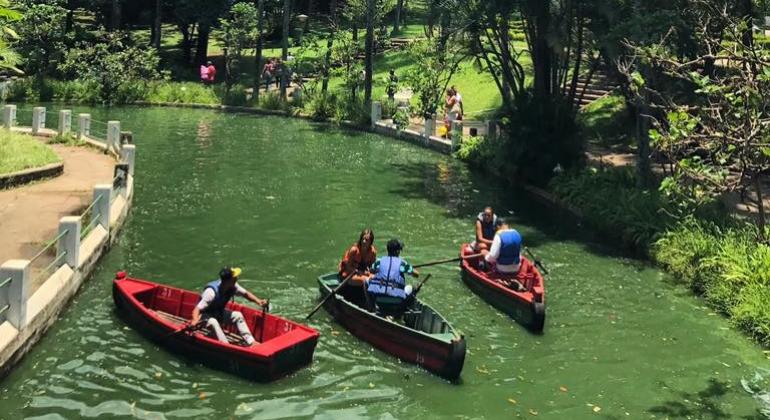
{"x":214,"y":326}
{"x":240,"y":322}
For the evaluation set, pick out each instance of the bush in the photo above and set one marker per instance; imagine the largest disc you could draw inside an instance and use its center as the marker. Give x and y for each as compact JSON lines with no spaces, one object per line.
{"x":607,"y":121}
{"x":272,"y":101}
{"x":322,"y":105}
{"x":181,"y":92}
{"x":354,"y":110}
{"x":401,"y":118}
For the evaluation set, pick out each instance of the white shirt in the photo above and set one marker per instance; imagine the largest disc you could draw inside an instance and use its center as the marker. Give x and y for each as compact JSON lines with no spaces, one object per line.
{"x":494,"y":254}
{"x":208,"y":296}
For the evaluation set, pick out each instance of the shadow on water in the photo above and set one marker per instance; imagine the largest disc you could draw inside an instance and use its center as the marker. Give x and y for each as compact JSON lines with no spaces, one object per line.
{"x":459,"y":189}
{"x":703,"y":404}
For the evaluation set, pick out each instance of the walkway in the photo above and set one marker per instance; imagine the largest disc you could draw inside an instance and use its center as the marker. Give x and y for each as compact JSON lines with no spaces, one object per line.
{"x":29,"y":215}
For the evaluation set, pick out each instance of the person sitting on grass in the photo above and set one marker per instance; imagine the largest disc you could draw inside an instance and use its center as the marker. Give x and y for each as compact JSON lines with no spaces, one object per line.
{"x":211,"y":307}
{"x":386,"y":290}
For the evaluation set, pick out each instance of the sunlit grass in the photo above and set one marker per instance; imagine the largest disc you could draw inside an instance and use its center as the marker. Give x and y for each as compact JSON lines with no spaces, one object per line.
{"x":20,"y":151}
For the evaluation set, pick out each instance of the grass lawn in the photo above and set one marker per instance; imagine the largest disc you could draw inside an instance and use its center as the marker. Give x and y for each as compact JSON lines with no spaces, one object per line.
{"x":20,"y":151}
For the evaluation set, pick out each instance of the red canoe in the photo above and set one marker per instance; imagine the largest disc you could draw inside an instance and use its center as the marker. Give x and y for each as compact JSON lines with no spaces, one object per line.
{"x":157,"y":310}
{"x":526,"y":306}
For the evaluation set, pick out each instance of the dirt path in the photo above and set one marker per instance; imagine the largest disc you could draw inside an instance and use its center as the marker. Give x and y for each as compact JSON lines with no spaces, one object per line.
{"x":29,"y":215}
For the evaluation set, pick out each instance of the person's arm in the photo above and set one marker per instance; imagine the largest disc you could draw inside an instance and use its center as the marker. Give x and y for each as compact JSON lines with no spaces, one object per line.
{"x":347,"y":266}
{"x":480,"y":234}
{"x":207,"y":297}
{"x":408,"y":269}
{"x":240,"y":291}
{"x":494,"y":252}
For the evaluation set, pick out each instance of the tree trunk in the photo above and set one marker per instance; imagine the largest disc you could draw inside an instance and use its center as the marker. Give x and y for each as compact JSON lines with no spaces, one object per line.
{"x":761,"y":222}
{"x":329,"y":46}
{"x":115,"y":13}
{"x":157,"y":27}
{"x":186,"y":43}
{"x":397,"y":19}
{"x":643,"y":172}
{"x":355,"y":32}
{"x":541,"y":54}
{"x":70,"y":22}
{"x":202,"y":47}
{"x":260,"y":43}
{"x":285,"y":47}
{"x":370,"y":10}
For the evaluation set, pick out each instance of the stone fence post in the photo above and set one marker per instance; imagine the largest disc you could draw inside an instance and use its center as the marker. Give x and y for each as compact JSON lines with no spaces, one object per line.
{"x":84,"y":125}
{"x":376,"y":112}
{"x":457,"y":134}
{"x":38,"y":119}
{"x":430,"y":126}
{"x":65,"y":121}
{"x":9,"y":116}
{"x":19,"y":274}
{"x":128,"y":155}
{"x":69,"y":241}
{"x":113,"y":135}
{"x":103,"y":193}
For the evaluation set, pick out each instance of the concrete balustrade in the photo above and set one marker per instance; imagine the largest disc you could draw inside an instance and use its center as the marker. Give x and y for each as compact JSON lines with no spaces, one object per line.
{"x":38,"y":119}
{"x":84,"y":125}
{"x":113,"y":135}
{"x":376,"y":112}
{"x":9,"y":116}
{"x":103,"y":193}
{"x":430,"y":126}
{"x":65,"y":121}
{"x":19,"y":274}
{"x":69,"y":242}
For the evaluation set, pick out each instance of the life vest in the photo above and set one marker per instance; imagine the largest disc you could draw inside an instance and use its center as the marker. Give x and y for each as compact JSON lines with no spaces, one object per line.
{"x":389,"y":281}
{"x":510,"y":247}
{"x":217,"y":306}
{"x":488,"y":229}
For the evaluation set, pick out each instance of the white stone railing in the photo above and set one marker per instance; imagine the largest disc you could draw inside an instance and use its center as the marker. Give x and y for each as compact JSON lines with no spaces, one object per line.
{"x":25,"y":315}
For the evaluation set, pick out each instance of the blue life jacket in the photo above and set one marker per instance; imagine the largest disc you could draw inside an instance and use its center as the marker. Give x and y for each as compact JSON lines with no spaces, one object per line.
{"x":510,"y":247}
{"x":488,"y":229}
{"x":389,"y":281}
{"x":217,"y":306}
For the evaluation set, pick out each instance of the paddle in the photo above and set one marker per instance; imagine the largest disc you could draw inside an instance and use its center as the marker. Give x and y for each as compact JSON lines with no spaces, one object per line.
{"x":189,"y":328}
{"x":344,"y":282}
{"x":265,"y":310}
{"x":537,"y":260}
{"x":419,"y":285}
{"x":465,"y":257}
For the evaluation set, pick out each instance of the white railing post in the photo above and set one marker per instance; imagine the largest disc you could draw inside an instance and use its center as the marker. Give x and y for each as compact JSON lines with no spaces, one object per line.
{"x":430,"y":127}
{"x":376,"y":112}
{"x":38,"y":119}
{"x":18,"y":288}
{"x":84,"y":125}
{"x":457,"y":134}
{"x":113,"y":135}
{"x":128,"y":155}
{"x":9,"y":116}
{"x":65,"y":121}
{"x":69,"y":241}
{"x":103,"y":193}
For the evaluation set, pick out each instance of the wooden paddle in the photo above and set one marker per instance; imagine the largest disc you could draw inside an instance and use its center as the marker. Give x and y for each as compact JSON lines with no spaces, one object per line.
{"x":465,"y":257}
{"x":265,"y":311}
{"x":536,"y":260}
{"x":344,"y":282}
{"x":189,"y":328}
{"x":419,"y":285}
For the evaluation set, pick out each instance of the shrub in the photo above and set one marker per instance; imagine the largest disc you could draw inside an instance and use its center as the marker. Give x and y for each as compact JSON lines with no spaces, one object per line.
{"x":181,"y":92}
{"x":401,"y":117}
{"x":322,"y":105}
{"x":272,"y":101}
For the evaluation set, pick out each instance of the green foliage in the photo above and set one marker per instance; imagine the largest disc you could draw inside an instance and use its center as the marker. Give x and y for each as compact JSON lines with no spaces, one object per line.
{"x":607,"y":121}
{"x":401,"y":117}
{"x":611,"y":202}
{"x":181,"y":92}
{"x":322,"y":105}
{"x":112,"y":64}
{"x":272,"y":101}
{"x":69,"y":139}
{"x":238,"y":32}
{"x":9,"y":59}
{"x":476,"y":150}
{"x":430,"y":77}
{"x":41,"y":37}
{"x":21,"y":151}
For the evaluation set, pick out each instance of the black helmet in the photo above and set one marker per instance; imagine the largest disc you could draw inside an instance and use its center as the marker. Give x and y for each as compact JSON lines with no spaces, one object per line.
{"x":227,"y":273}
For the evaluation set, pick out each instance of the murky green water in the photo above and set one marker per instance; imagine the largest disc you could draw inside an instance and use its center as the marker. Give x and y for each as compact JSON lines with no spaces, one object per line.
{"x":283,"y":198}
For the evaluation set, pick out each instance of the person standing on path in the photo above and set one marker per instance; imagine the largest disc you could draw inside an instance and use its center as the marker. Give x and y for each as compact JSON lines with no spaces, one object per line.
{"x":212,"y":72}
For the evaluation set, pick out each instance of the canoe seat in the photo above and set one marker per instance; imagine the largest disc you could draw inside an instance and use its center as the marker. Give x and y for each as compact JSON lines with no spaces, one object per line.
{"x":389,"y":305}
{"x":233,"y":338}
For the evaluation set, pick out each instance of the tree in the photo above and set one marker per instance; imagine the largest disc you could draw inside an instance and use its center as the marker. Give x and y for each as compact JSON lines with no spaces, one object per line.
{"x":42,"y":37}
{"x":285,"y":47}
{"x":238,"y":32}
{"x":260,"y":44}
{"x":714,"y":134}
{"x":369,"y":50}
{"x":8,"y":57}
{"x":432,"y":72}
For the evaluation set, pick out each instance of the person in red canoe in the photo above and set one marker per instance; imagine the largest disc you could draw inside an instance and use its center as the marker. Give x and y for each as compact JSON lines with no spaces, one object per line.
{"x":359,"y":258}
{"x":505,"y":253}
{"x":211,"y":307}
{"x":486,"y":225}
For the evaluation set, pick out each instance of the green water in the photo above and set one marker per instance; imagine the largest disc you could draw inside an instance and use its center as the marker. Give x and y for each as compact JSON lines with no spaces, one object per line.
{"x":283,"y":199}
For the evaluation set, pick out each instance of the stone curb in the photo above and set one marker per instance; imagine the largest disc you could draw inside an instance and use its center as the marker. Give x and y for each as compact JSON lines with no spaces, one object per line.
{"x":19,"y":178}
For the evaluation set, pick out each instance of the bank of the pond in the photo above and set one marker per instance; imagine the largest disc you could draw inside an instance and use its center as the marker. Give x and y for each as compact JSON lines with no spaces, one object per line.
{"x":34,"y":290}
{"x":283,"y":198}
